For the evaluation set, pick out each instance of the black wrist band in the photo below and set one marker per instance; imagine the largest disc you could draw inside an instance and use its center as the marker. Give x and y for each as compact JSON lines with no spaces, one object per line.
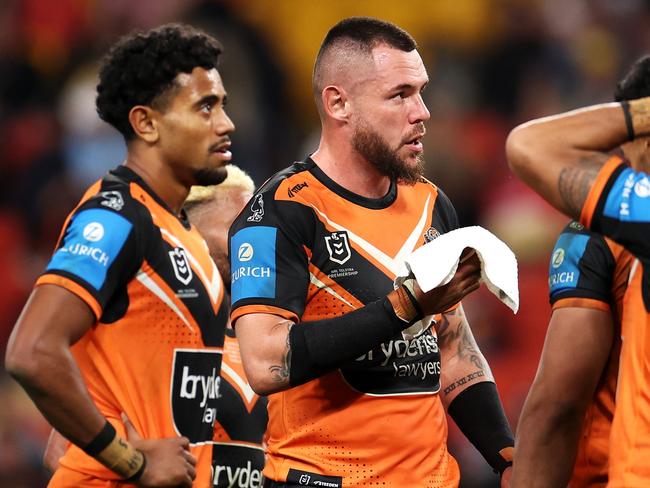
{"x":625,"y":105}
{"x":490,"y":431}
{"x":415,"y":303}
{"x":101,"y":440}
{"x":139,"y":472}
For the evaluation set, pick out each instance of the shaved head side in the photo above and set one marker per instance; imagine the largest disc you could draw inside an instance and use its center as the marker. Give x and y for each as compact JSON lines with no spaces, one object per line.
{"x":349,"y":44}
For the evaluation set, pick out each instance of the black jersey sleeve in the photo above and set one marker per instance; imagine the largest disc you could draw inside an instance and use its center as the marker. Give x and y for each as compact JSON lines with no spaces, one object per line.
{"x":269,"y":244}
{"x":581,"y":266}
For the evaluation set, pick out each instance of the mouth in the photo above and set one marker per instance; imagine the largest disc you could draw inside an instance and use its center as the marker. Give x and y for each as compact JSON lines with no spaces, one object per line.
{"x":415,"y":143}
{"x":222,"y":150}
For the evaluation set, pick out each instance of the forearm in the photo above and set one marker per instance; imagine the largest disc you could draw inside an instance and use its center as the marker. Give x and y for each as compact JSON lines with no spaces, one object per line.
{"x":547,"y":438}
{"x":463,"y":364}
{"x":287,"y":354}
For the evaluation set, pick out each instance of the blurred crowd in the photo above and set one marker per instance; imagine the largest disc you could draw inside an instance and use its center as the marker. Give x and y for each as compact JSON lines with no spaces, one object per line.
{"x":492,"y":65}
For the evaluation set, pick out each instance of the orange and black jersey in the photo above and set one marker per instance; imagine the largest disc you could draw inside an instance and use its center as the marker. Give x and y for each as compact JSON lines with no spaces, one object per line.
{"x":238,"y":451}
{"x":618,"y":206}
{"x":588,"y":270}
{"x":155,"y":351}
{"x":307,"y":249}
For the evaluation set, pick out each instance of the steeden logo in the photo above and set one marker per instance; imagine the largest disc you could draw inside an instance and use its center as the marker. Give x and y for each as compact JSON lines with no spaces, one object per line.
{"x":245,"y":252}
{"x":93,"y":232}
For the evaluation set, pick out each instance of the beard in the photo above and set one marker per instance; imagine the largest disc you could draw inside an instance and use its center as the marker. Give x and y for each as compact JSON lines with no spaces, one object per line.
{"x":211,"y":176}
{"x":373,"y":147}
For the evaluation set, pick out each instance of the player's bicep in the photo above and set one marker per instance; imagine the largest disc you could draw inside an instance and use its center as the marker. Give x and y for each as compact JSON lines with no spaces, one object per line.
{"x":577,"y":345}
{"x":53,"y":318}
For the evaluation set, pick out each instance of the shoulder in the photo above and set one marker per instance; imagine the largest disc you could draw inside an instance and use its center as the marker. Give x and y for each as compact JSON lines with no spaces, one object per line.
{"x":273,"y":202}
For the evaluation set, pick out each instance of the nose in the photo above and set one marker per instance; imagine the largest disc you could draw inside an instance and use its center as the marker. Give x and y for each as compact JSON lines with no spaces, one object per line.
{"x":223,"y":124}
{"x":419,"y":112}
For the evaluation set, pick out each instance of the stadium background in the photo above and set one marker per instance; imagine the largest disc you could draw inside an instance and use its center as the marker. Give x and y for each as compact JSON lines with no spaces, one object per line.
{"x":492,"y":64}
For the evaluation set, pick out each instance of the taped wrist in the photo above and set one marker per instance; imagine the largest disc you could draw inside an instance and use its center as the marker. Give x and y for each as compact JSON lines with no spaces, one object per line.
{"x":116,"y":454}
{"x":479,"y":414}
{"x":638,"y":113}
{"x":322,"y":346}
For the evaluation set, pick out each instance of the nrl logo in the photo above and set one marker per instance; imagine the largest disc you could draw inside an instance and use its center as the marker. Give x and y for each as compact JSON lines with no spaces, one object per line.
{"x":338,"y":246}
{"x":181,"y":265}
{"x":257,"y":207}
{"x":112,"y":199}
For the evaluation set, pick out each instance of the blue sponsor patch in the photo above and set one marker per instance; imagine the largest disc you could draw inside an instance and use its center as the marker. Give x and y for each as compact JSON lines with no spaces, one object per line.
{"x":92,"y":241}
{"x":564,"y":268}
{"x":629,"y":198}
{"x":252,"y":263}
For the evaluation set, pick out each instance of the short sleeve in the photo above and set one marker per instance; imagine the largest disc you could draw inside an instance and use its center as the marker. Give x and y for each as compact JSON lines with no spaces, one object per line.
{"x":618,"y":206}
{"x":269,"y":244}
{"x":96,"y":254}
{"x":581,"y":270}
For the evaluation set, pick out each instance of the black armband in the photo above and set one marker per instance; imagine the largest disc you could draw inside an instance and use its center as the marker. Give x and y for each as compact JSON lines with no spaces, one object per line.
{"x":322,"y":346}
{"x":479,"y":414}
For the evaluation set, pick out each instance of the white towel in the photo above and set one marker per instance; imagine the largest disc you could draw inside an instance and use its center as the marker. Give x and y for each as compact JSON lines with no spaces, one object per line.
{"x":435,"y":264}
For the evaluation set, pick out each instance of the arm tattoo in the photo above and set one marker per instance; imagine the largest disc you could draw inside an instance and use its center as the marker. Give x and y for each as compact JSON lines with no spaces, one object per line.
{"x":575,"y":182}
{"x":460,"y":382}
{"x":455,"y":335}
{"x":280,"y":373}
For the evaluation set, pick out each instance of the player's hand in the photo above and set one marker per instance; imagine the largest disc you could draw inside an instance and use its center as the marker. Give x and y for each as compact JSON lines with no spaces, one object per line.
{"x":169,"y":461}
{"x":464,"y":282}
{"x":505,"y":477}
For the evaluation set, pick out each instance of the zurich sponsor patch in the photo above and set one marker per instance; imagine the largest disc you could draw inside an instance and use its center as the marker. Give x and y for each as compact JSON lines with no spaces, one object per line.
{"x":564,"y":270}
{"x":91,"y":243}
{"x":628,"y":200}
{"x":253,"y":263}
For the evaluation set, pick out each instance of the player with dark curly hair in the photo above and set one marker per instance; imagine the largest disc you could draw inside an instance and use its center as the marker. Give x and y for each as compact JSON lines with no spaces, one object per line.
{"x":120,"y":343}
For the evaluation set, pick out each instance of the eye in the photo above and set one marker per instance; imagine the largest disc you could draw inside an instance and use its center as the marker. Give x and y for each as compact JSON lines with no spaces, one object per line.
{"x":206,"y":107}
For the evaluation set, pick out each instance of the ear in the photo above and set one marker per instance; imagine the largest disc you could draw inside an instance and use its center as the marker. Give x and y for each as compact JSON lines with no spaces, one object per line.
{"x":144,"y":123}
{"x":336,"y":103}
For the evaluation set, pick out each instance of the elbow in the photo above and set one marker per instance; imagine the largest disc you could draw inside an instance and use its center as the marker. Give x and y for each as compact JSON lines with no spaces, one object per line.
{"x":26,"y":362}
{"x":19,"y":364}
{"x":265,"y":386}
{"x":519,"y":149}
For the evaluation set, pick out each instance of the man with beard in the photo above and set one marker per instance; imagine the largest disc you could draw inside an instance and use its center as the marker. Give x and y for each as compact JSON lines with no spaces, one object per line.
{"x":120,"y":342}
{"x":353,"y":401}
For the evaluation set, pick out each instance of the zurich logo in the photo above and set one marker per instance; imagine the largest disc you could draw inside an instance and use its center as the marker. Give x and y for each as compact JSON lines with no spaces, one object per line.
{"x":93,"y":232}
{"x":642,"y":188}
{"x":245,"y":252}
{"x":558,"y":258}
